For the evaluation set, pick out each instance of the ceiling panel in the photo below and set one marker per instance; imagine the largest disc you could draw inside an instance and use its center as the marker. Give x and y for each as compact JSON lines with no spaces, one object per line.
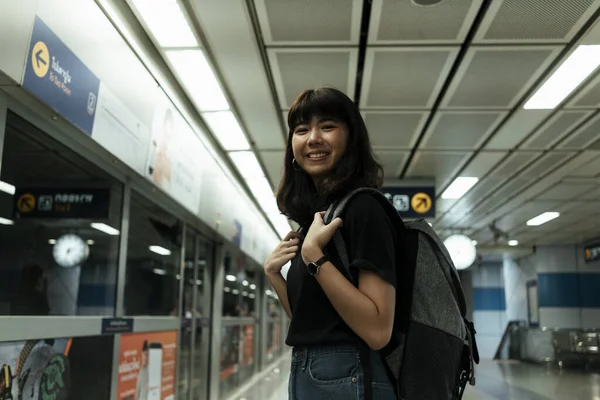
{"x":555,"y":129}
{"x":406,"y":77}
{"x":273,"y":162}
{"x":309,"y":22}
{"x":392,"y":162}
{"x":588,"y":97}
{"x":460,"y":130}
{"x":496,"y":77}
{"x":593,"y":195}
{"x":295,"y":70}
{"x":545,"y":164}
{"x":518,"y":127}
{"x":539,"y":21}
{"x":441,"y":165}
{"x":566,"y":191}
{"x":403,"y":22}
{"x":394,"y":129}
{"x":514,"y":163}
{"x":482,"y":163}
{"x":583,"y":136}
{"x":511,"y":187}
{"x":589,"y":169}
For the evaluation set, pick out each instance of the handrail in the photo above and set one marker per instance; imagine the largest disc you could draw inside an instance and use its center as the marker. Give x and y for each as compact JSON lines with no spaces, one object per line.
{"x":509,"y":327}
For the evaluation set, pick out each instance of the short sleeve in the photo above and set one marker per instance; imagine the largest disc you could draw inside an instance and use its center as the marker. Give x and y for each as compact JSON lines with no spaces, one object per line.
{"x":370,"y":237}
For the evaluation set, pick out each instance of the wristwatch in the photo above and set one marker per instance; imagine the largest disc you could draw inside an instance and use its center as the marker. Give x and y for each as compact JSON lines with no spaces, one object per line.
{"x":313,"y":267}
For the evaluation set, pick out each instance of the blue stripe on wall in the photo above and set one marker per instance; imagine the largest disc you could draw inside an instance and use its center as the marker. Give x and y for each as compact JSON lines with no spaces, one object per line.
{"x":96,"y":295}
{"x":569,"y":290}
{"x":489,"y":299}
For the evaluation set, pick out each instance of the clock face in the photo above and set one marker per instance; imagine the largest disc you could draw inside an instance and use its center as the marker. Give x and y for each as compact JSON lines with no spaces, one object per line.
{"x":70,"y":251}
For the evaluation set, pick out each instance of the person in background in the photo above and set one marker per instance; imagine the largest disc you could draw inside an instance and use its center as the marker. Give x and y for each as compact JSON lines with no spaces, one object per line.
{"x":334,"y":325}
{"x":142,"y":382}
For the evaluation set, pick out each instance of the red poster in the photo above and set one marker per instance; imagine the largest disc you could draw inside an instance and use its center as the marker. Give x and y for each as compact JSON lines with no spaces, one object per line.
{"x":147,"y":363}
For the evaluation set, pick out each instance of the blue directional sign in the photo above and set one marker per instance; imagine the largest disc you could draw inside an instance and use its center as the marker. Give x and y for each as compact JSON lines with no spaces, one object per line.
{"x":412,"y":202}
{"x":56,"y":76}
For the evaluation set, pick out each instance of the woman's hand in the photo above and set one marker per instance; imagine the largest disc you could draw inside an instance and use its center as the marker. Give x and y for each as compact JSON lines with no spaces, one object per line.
{"x":318,"y":236}
{"x":285,"y":252}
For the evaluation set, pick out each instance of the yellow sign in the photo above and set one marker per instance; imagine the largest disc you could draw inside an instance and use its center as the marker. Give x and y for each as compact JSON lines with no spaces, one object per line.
{"x":26,"y":203}
{"x":421,"y":203}
{"x":40,"y":59}
{"x":588,"y":254}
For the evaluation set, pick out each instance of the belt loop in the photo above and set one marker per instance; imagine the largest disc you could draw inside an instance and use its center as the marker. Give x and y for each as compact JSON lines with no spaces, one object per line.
{"x":304,"y":358}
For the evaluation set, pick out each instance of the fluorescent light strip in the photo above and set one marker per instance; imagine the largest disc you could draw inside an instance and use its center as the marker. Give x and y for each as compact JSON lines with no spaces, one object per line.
{"x":4,"y":221}
{"x":459,"y":187}
{"x":160,"y":250}
{"x":7,"y":188}
{"x":166,"y":22}
{"x":109,"y":230}
{"x":198,"y":79}
{"x":513,"y":243}
{"x":247,"y":164}
{"x":576,"y":68}
{"x":231,"y":278}
{"x":227,"y":130}
{"x":543,"y":218}
{"x":158,"y":271}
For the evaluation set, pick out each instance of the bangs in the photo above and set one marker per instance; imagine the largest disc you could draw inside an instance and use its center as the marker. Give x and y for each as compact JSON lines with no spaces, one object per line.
{"x":321,"y":103}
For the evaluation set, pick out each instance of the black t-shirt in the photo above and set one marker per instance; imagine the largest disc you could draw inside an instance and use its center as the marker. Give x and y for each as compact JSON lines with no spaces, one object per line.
{"x":370,"y":241}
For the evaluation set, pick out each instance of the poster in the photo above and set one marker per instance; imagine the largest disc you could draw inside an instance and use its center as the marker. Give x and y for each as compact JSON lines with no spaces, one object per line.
{"x":119,"y":131}
{"x":56,"y":369}
{"x":147,"y":363}
{"x":174,"y":157}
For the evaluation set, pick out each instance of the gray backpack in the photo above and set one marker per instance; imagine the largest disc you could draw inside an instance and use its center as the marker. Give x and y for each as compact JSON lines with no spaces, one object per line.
{"x":432,"y":351}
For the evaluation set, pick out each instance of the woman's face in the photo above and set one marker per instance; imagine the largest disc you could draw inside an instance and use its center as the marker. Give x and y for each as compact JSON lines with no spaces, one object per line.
{"x":319,"y":145}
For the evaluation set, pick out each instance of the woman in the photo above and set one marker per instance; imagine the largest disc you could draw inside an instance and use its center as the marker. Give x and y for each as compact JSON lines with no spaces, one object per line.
{"x":328,"y":155}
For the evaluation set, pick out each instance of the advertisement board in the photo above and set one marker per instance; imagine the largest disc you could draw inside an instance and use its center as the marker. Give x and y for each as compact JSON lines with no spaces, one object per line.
{"x":56,"y":369}
{"x":147,"y":363}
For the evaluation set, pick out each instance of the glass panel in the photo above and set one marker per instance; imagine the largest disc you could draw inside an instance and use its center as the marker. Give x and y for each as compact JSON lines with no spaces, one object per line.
{"x":237,"y":357}
{"x":239,"y":297}
{"x":203,"y":297}
{"x":53,"y":261}
{"x":153,"y":257}
{"x":189,"y":284}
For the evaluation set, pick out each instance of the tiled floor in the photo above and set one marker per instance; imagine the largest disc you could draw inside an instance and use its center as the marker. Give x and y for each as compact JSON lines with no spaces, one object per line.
{"x":495,"y":381}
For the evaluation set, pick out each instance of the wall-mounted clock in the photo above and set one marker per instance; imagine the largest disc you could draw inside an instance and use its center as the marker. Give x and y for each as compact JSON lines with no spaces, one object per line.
{"x":70,"y":251}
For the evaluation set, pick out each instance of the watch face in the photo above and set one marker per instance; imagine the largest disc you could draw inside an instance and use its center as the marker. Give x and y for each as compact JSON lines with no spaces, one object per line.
{"x":70,"y":251}
{"x":312,"y":268}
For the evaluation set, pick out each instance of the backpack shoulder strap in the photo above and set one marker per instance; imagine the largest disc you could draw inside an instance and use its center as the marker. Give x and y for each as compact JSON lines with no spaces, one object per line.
{"x":337,"y":210}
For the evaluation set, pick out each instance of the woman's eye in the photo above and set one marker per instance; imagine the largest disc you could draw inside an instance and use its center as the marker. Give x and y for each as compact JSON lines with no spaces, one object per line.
{"x":328,"y":127}
{"x":300,"y":130}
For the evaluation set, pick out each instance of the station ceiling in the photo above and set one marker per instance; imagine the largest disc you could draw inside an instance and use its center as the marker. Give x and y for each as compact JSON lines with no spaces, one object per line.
{"x":445,"y":91}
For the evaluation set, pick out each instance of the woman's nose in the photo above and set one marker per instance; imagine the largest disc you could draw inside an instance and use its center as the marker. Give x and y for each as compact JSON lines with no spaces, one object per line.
{"x":314,"y":136}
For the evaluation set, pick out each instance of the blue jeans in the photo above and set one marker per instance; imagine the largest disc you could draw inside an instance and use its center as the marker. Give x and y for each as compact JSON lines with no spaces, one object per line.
{"x":335,"y":372}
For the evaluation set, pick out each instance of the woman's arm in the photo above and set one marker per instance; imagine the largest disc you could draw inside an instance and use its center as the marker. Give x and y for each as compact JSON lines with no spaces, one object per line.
{"x":368,"y":310}
{"x":279,"y":285}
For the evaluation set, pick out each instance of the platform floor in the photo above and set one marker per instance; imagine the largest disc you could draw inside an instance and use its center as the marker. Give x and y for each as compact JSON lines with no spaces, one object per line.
{"x":495,"y":381}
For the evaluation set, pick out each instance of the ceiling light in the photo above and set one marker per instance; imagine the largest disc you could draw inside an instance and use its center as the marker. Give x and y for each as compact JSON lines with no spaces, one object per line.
{"x":251,"y":295}
{"x":459,"y":187}
{"x":231,"y":278}
{"x":268,"y":292}
{"x":513,"y":243}
{"x":158,"y":271}
{"x":474,"y":242}
{"x":235,"y":291}
{"x":227,"y":130}
{"x":252,"y":286}
{"x":91,"y":242}
{"x":109,"y":230}
{"x":543,"y":218}
{"x":198,"y":79}
{"x":167,"y":22}
{"x":247,"y":164}
{"x":462,"y":251}
{"x":574,"y":70}
{"x":245,"y":282}
{"x":160,"y":250}
{"x":198,"y":282}
{"x":4,"y":221}
{"x":226,"y":289}
{"x":262,"y":192}
{"x":7,"y":188}
{"x":52,"y":241}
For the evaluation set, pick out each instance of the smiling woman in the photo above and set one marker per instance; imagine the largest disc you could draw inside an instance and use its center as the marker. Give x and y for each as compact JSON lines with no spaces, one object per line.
{"x":336,"y":328}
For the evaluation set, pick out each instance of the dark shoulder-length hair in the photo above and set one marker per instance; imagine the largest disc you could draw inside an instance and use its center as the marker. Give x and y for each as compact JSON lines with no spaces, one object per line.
{"x":297,"y":196}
